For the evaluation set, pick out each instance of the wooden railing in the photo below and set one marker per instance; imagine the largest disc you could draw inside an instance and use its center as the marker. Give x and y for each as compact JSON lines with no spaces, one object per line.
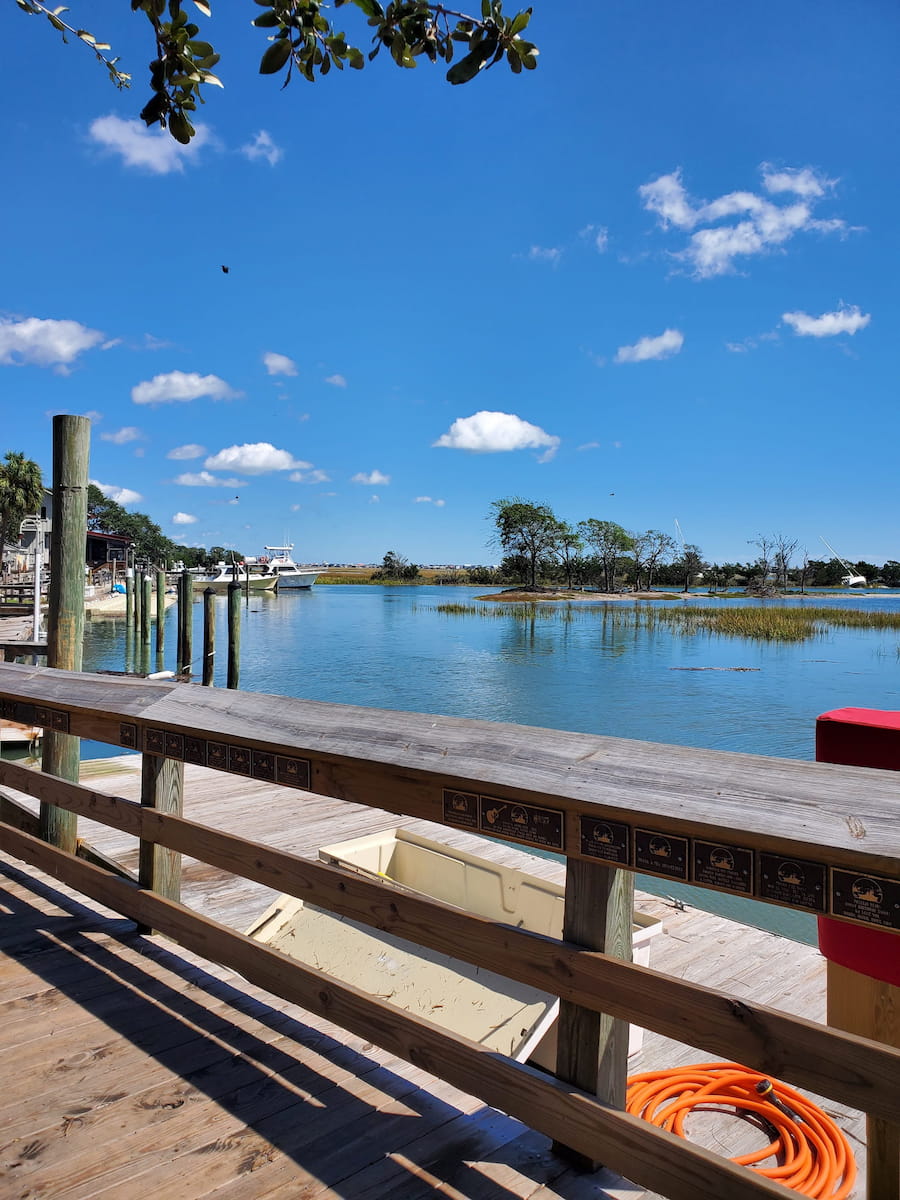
{"x":605,"y":804}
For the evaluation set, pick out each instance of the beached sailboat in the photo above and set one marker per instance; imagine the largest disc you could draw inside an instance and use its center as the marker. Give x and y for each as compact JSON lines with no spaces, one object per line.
{"x":852,"y":578}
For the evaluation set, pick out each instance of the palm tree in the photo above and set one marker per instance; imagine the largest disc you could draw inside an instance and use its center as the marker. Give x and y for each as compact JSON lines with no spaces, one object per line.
{"x":21,"y":493}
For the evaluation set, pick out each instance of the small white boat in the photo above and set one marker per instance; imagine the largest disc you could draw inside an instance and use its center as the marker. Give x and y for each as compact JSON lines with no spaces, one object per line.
{"x":286,"y":571}
{"x":224,"y":574}
{"x":12,"y":733}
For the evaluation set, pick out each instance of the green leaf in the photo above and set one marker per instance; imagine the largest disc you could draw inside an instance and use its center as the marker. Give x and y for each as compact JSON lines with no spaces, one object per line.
{"x":180,"y":128}
{"x":355,"y":58}
{"x":275,"y":57}
{"x":370,"y":7}
{"x":519,"y":22}
{"x":467,"y":68}
{"x":266,"y":20}
{"x":203,"y":6}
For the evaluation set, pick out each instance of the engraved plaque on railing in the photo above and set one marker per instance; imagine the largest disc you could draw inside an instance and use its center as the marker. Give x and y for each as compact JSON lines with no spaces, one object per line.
{"x":217,"y":755}
{"x":726,"y":868}
{"x":461,"y":808}
{"x":195,"y":750}
{"x":661,"y":854}
{"x":239,"y":760}
{"x":866,"y":898}
{"x":609,"y":840}
{"x":59,"y":720}
{"x":128,"y":736}
{"x":792,"y":881}
{"x":155,"y":741}
{"x":521,"y":822}
{"x":263,"y":765}
{"x":174,"y":745}
{"x":295,"y":772}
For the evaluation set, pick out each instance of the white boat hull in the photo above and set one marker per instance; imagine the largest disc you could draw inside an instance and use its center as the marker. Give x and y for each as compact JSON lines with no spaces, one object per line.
{"x":300,"y":579}
{"x":256,"y":583}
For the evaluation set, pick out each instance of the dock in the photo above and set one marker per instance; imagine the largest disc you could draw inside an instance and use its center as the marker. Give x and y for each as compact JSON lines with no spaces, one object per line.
{"x":142,"y":1069}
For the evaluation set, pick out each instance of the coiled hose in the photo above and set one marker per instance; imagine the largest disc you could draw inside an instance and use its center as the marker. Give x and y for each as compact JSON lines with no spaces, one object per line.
{"x":813,"y":1156}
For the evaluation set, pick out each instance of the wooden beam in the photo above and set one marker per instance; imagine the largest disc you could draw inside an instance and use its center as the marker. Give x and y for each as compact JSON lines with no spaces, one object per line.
{"x":847,"y":1068}
{"x":837,"y":816}
{"x":648,"y":1156}
{"x":162,"y":790}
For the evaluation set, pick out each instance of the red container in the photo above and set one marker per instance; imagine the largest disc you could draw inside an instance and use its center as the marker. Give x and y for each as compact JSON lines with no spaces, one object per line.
{"x":860,"y":737}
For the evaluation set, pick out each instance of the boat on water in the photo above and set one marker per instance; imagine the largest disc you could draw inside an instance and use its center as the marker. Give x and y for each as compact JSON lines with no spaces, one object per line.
{"x":13,"y":733}
{"x":287,"y":572}
{"x":226,"y":573}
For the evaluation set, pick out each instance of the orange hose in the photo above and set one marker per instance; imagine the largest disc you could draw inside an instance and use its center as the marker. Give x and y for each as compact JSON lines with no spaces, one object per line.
{"x":812,"y":1155}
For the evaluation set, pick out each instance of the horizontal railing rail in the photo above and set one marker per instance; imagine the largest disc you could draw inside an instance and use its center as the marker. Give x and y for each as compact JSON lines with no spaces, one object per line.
{"x":600,"y":802}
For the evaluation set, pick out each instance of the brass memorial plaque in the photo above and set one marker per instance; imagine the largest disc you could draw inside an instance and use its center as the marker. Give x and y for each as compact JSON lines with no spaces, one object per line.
{"x":217,"y":755}
{"x":661,"y":854}
{"x":195,"y":751}
{"x":866,"y":898}
{"x":155,"y":741}
{"x":295,"y":772}
{"x":727,"y":868}
{"x":609,"y":840}
{"x":174,"y":745}
{"x":128,"y":736}
{"x":795,"y":882}
{"x":263,"y":765}
{"x":461,"y":808}
{"x":521,"y":822}
{"x":239,"y":760}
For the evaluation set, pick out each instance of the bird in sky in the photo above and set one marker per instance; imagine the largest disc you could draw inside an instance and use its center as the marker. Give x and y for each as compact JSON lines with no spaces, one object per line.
{"x":225,"y":270}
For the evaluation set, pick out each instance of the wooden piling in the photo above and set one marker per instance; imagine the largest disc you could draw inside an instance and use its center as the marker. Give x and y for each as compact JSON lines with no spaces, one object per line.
{"x":592,"y":1048}
{"x":187,"y":632}
{"x":65,"y":617}
{"x":160,"y":618}
{"x":209,"y":636}
{"x":147,"y":611}
{"x":129,"y":598}
{"x":234,"y":633}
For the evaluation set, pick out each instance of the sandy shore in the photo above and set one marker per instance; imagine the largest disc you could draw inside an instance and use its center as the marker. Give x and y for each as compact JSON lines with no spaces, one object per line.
{"x":113,"y":604}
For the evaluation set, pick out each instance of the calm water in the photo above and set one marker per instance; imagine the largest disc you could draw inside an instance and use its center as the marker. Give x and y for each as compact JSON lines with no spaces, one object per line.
{"x":580,"y":668}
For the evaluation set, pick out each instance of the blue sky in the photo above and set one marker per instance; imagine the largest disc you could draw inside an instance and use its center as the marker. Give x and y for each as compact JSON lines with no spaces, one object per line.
{"x":652,"y":279}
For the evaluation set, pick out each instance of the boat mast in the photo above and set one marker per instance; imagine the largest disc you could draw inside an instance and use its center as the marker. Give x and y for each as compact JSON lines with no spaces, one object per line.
{"x":851,"y":577}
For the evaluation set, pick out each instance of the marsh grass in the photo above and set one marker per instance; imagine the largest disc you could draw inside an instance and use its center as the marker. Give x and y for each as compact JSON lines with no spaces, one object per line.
{"x":778,"y":623}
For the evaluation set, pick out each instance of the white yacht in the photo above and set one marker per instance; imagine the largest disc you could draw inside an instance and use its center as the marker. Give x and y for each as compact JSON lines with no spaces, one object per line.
{"x":223,"y":574}
{"x":286,"y":571}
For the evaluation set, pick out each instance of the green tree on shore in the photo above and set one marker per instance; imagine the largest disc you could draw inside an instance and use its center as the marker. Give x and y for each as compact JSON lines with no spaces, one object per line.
{"x":530,"y":530}
{"x":21,"y":493}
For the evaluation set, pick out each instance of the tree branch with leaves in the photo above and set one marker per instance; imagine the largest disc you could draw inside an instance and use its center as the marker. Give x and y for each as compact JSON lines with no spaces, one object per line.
{"x":304,"y":39}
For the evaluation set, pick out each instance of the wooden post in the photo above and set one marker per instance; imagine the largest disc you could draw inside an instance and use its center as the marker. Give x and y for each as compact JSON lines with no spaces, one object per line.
{"x":138,"y":603}
{"x":160,"y":618}
{"x":234,"y":634}
{"x":162,"y":788}
{"x":129,"y":597}
{"x":65,"y":618}
{"x":209,"y":636}
{"x":147,"y":610}
{"x":188,"y":631}
{"x":592,"y":1048}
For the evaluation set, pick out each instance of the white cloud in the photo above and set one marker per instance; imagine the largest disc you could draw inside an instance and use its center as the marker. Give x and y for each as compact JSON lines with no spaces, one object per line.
{"x":336,"y":381}
{"x":764,"y":225}
{"x":121,"y":495}
{"x":589,"y":446}
{"x":428,"y":500}
{"x":254,"y":458}
{"x":154,"y":150}
{"x":44,"y":343}
{"x":181,"y":518}
{"x":182,"y":453}
{"x":547,"y":254}
{"x":204,"y":479}
{"x":373,"y":479}
{"x":843,"y":320}
{"x":128,"y":433}
{"x":439,"y":503}
{"x":178,"y":386}
{"x":668,"y":343}
{"x":492,"y":432}
{"x":802,"y":181}
{"x":262,"y":146}
{"x":279,"y":364}
{"x":316,"y":476}
{"x":598,"y":234}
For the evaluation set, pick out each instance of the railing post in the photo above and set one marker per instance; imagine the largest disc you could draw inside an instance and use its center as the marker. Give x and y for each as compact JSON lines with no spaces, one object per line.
{"x":209,"y":636}
{"x":592,"y":1048}
{"x":65,"y":618}
{"x":162,"y":789}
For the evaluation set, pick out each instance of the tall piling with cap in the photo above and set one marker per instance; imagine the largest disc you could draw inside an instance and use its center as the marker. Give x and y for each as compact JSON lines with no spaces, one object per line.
{"x":65,"y":616}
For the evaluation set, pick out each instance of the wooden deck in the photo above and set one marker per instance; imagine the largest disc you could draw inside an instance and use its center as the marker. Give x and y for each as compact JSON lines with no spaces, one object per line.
{"x":134,"y":1068}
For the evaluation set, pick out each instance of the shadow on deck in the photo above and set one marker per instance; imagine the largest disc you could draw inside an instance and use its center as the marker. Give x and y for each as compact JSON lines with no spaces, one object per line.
{"x":140,"y":1072}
